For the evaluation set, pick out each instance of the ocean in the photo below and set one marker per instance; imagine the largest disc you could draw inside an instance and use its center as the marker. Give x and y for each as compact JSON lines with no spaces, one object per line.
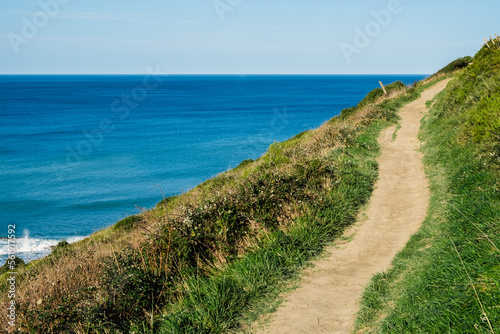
{"x":79,"y":153}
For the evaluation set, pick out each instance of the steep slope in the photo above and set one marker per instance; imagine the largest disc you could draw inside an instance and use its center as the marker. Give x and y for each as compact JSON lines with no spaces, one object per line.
{"x":327,"y":299}
{"x":447,"y":279}
{"x":199,"y":262}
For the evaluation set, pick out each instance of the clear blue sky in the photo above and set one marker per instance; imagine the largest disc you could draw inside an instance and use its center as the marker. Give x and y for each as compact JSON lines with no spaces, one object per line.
{"x":254,"y":37}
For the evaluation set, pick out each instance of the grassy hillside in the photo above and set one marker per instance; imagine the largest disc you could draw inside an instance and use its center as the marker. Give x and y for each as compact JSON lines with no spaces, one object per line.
{"x":447,"y":279}
{"x":214,"y":258}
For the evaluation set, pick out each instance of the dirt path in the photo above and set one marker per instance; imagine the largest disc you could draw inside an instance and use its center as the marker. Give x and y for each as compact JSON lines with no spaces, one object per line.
{"x":327,"y":298}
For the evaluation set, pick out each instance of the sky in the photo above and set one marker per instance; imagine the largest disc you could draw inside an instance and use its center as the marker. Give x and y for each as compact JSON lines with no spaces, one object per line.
{"x":240,"y":36}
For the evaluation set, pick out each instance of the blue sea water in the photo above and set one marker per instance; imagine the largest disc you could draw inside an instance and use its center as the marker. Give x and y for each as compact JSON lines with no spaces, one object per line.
{"x":78,"y":153}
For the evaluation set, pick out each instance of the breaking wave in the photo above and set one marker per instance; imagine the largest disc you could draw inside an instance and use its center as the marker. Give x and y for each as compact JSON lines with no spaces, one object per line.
{"x":30,"y":248}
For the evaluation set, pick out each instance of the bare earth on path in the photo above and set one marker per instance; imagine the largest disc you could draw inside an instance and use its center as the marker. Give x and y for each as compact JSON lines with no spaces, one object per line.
{"x":328,"y":296}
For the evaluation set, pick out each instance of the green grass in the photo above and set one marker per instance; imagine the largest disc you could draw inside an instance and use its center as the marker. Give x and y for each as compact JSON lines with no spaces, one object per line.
{"x":215,"y":259}
{"x":11,"y":265}
{"x":378,"y":93}
{"x":447,"y":278}
{"x":395,"y":133}
{"x":128,"y":223}
{"x":249,"y":286}
{"x":456,"y":65}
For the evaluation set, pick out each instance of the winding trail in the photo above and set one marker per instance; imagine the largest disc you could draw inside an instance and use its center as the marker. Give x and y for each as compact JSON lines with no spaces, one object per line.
{"x":328,"y":296}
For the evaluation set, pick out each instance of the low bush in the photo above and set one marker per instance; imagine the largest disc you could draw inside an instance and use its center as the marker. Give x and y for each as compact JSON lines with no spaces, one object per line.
{"x":11,"y":264}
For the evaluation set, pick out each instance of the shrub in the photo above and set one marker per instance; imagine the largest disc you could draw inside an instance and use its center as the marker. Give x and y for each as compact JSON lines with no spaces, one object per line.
{"x":377,"y":93}
{"x":456,"y":65}
{"x":11,"y":264}
{"x":127,"y":224}
{"x":62,"y":244}
{"x":130,"y":293}
{"x":244,"y":163}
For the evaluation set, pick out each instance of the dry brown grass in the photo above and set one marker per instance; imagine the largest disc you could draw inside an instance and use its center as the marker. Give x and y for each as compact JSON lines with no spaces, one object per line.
{"x":47,"y":281}
{"x":51,"y":279}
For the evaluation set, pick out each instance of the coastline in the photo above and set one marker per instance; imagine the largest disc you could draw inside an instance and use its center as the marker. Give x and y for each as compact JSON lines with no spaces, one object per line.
{"x":72,"y":196}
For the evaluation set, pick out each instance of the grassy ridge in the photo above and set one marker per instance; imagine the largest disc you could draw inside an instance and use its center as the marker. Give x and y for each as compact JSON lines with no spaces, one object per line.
{"x":447,"y":279}
{"x":249,"y":286}
{"x":202,"y":262}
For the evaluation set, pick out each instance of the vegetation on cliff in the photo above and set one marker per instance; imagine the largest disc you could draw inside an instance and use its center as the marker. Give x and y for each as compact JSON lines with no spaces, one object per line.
{"x":215,"y":258}
{"x":202,"y":262}
{"x":447,"y":279}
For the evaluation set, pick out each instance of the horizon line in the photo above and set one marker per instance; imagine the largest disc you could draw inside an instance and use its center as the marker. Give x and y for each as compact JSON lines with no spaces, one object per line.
{"x":205,"y":74}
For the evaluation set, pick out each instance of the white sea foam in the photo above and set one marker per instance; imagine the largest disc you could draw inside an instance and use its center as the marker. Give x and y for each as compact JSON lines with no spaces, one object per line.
{"x":32,"y":248}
